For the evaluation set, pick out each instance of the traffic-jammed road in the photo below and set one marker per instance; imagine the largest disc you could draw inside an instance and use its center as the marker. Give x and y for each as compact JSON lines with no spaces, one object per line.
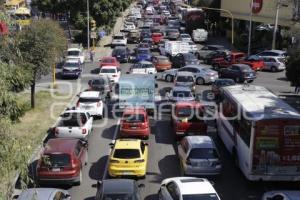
{"x":163,"y":161}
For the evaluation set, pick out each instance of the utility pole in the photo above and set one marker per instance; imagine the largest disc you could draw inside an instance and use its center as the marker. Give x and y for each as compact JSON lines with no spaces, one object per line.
{"x":88,"y":24}
{"x":250,"y":28}
{"x":276,"y":24}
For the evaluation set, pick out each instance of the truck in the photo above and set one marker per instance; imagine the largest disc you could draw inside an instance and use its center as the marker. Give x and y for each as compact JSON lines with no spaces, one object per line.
{"x":75,"y":53}
{"x":74,"y":124}
{"x":230,"y":59}
{"x":173,"y":48}
{"x":137,"y":90}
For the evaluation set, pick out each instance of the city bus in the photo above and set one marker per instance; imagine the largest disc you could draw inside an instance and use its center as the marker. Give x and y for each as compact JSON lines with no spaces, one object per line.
{"x":22,"y":16}
{"x":12,"y":5}
{"x":262,"y":133}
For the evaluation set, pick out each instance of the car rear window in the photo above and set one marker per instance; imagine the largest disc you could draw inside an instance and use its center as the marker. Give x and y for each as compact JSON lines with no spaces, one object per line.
{"x":105,"y":70}
{"x":134,"y":118}
{"x":118,"y":197}
{"x":99,"y":82}
{"x":203,"y":153}
{"x":56,"y":160}
{"x":143,"y":51}
{"x":73,"y":119}
{"x":118,"y":37}
{"x":126,"y":153}
{"x":211,"y":196}
{"x":184,"y":79}
{"x":108,"y":60}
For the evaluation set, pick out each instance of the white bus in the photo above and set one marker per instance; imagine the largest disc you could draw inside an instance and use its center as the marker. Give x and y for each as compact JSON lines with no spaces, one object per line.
{"x":262,"y":133}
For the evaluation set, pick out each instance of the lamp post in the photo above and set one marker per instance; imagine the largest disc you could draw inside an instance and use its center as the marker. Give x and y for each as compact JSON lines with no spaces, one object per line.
{"x":88,"y":24}
{"x":250,"y":29}
{"x":278,"y":5}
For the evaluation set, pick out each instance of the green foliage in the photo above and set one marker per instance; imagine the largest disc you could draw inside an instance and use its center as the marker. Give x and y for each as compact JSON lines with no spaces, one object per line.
{"x":293,"y":68}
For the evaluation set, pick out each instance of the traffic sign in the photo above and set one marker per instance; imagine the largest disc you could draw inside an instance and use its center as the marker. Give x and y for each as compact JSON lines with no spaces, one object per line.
{"x":93,"y":35}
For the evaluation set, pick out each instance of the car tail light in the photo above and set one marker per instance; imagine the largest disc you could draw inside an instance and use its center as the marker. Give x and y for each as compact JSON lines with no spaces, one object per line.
{"x":98,"y":104}
{"x":84,"y":131}
{"x":114,"y":161}
{"x":139,"y":161}
{"x":188,"y":162}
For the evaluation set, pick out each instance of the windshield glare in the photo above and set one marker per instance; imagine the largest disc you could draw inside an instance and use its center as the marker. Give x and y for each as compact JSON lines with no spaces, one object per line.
{"x":203,"y":153}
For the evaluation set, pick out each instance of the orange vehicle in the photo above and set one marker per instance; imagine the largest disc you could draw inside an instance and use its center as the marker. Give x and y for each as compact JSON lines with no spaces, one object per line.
{"x":156,"y":37}
{"x":162,"y":63}
{"x":187,"y":119}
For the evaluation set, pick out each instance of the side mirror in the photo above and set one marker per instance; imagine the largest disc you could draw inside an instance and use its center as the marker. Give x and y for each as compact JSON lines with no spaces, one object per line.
{"x":99,"y":183}
{"x":84,"y":143}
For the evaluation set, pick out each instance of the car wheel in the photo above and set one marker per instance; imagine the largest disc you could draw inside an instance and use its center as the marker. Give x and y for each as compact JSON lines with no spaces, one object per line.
{"x":200,"y":81}
{"x":273,"y":69}
{"x":169,"y":78}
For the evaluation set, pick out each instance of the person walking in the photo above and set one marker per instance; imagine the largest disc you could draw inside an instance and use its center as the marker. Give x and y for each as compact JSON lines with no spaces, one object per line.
{"x":92,"y":55}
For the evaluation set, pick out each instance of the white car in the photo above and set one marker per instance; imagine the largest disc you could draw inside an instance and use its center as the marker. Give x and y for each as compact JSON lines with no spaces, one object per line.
{"x":112,"y":72}
{"x":119,"y":40}
{"x":274,"y":54}
{"x":185,"y":37}
{"x":282,"y":195}
{"x":180,"y":93}
{"x":75,"y":53}
{"x":91,"y":102}
{"x":129,"y":26}
{"x":181,"y":188}
{"x":74,"y":124}
{"x":143,"y":67}
{"x":274,"y":64}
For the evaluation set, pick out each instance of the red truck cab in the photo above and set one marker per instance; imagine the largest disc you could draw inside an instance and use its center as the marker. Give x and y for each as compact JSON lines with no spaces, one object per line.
{"x":224,"y":62}
{"x":187,"y":118}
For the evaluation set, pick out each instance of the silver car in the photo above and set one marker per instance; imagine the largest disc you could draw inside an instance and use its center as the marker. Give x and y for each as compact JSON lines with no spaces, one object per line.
{"x":199,"y":156}
{"x":44,"y":194}
{"x":203,"y":75}
{"x":274,"y":64}
{"x":180,"y":93}
{"x":185,"y":79}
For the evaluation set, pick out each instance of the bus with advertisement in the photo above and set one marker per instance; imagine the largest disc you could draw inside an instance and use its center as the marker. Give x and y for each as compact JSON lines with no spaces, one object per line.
{"x":262,"y":133}
{"x":11,"y":6}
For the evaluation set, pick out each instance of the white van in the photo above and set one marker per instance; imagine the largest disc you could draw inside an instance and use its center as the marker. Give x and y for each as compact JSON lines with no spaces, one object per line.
{"x":200,"y":35}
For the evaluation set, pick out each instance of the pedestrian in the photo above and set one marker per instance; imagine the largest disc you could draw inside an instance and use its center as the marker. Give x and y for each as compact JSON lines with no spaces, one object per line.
{"x":92,"y":55}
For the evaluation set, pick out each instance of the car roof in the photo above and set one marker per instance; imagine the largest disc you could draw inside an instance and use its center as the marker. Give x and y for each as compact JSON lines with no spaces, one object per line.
{"x":181,"y":88}
{"x":200,"y":141}
{"x":242,"y":65}
{"x":108,"y":57}
{"x":60,"y":145}
{"x":191,"y":185}
{"x":127,"y":144}
{"x":143,"y":48}
{"x":38,"y":193}
{"x":118,"y":186}
{"x":72,"y":60}
{"x":90,"y":94}
{"x":195,"y":66}
{"x":145,"y":62}
{"x":129,"y":110}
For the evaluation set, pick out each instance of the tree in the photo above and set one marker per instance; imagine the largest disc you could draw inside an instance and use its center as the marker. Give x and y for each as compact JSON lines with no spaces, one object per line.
{"x":293,"y":68}
{"x":40,"y":45}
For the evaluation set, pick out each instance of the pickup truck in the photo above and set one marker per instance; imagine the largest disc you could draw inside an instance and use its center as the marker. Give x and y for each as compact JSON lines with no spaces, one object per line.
{"x":74,"y":124}
{"x":254,"y":62}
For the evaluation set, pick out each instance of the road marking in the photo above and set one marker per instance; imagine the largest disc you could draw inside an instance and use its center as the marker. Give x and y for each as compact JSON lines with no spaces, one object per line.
{"x":112,"y":141}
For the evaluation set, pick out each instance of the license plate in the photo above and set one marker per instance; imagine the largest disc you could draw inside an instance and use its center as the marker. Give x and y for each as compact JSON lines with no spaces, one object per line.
{"x":127,"y":173}
{"x":133,"y":127}
{"x":56,"y":169}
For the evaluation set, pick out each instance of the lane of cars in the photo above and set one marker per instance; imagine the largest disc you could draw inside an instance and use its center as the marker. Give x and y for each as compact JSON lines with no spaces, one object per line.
{"x":65,"y":157}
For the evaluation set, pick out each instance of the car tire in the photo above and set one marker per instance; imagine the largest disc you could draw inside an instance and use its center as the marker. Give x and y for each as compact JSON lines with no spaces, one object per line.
{"x":169,"y":78}
{"x":273,"y":69}
{"x":200,"y":81}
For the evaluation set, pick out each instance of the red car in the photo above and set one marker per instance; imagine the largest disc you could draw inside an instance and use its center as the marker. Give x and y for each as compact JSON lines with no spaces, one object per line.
{"x":255,"y":62}
{"x":156,"y":37}
{"x":230,"y":59}
{"x":109,"y":61}
{"x":187,"y":118}
{"x":135,"y":123}
{"x":62,"y":161}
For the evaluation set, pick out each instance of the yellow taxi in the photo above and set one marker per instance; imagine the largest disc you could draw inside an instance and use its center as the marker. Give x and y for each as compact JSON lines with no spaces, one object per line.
{"x":128,"y":158}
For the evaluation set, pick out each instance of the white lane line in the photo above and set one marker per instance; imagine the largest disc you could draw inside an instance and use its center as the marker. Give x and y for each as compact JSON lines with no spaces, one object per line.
{"x":112,"y":141}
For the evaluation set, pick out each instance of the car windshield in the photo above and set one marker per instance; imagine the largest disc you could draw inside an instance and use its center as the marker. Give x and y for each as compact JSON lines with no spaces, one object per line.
{"x":163,"y":60}
{"x":182,"y":94}
{"x":203,"y":153}
{"x":145,"y":66}
{"x":200,"y":197}
{"x":134,"y":118}
{"x":254,"y":58}
{"x":185,"y":36}
{"x":73,"y":53}
{"x":56,"y":160}
{"x":143,"y":51}
{"x":126,"y":153}
{"x":118,"y":51}
{"x":89,"y":100}
{"x":185,"y":79}
{"x":189,"y":56}
{"x":106,"y":70}
{"x":71,"y":65}
{"x":118,"y":37}
{"x":118,"y":197}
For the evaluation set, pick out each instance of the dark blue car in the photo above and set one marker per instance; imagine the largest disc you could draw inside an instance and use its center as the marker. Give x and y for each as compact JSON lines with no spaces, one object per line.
{"x":121,"y":53}
{"x":143,"y":54}
{"x":71,"y":69}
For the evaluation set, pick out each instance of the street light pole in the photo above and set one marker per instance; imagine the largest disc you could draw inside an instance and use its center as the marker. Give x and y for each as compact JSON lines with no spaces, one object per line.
{"x":276,"y":24}
{"x":250,"y":29}
{"x":88,"y":24}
